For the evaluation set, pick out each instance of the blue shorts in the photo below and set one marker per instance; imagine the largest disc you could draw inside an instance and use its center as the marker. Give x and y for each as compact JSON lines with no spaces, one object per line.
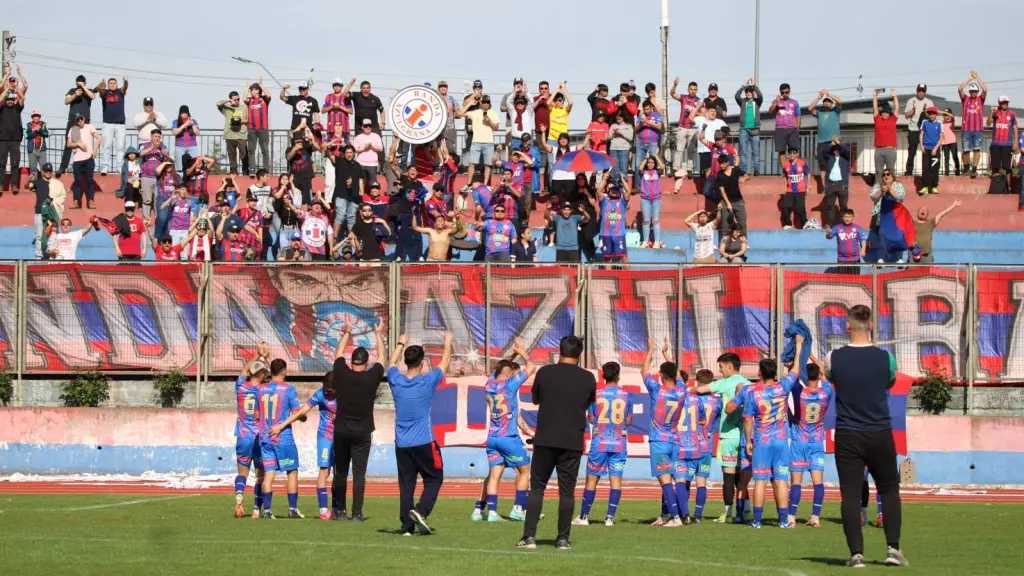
{"x":481,"y":152}
{"x":324,"y":452}
{"x":613,"y":247}
{"x":745,"y":458}
{"x":663,"y":458}
{"x":972,"y":140}
{"x":704,"y":466}
{"x":283,"y":456}
{"x":247,"y":453}
{"x":603,"y":464}
{"x":806,"y":456}
{"x":685,"y":470}
{"x":771,"y":461}
{"x":507,"y":451}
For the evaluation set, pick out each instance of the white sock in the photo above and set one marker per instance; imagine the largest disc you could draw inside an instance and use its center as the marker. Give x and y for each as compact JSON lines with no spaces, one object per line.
{"x":728,"y":510}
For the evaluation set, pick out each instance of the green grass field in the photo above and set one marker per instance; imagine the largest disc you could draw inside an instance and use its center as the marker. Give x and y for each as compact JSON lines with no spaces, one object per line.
{"x":197,"y":535}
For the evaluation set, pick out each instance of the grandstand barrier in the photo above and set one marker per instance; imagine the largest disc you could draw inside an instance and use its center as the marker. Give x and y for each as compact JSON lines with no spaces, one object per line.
{"x":947,"y":450}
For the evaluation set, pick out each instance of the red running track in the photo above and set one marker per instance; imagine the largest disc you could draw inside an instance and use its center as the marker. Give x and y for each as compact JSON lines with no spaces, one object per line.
{"x":461,"y":488}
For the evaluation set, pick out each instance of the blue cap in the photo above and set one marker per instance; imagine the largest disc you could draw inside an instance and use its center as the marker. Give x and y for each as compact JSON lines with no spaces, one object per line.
{"x":508,"y":166}
{"x":296,"y":236}
{"x":427,"y":84}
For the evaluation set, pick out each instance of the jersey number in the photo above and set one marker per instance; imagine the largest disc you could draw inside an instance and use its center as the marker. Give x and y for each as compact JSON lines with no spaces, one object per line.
{"x":771,"y":411}
{"x":672,"y":407}
{"x":270,"y":408}
{"x":496,"y":404}
{"x":812,"y":412}
{"x":250,"y":404}
{"x":614,"y":411}
{"x":709,"y":410}
{"x":689,"y":424}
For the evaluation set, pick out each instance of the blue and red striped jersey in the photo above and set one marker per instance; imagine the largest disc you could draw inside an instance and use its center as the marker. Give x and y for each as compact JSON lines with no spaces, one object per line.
{"x":812,"y":405}
{"x":181,"y":214}
{"x":198,"y":183}
{"x":691,"y":414}
{"x":277,"y":401}
{"x":848,"y":239}
{"x":766,"y":405}
{"x":717,"y":151}
{"x":688,"y":104}
{"x":608,"y":415}
{"x":232,"y":251}
{"x":796,"y":175}
{"x":337,"y":115}
{"x":259,"y":113}
{"x":786,"y":113}
{"x":648,"y":134}
{"x":247,"y":424}
{"x":498,"y":236}
{"x":503,"y":405}
{"x":328,"y":408}
{"x":151,"y":159}
{"x":650,"y":185}
{"x":712,"y":412}
{"x":974,"y":114}
{"x":187,"y":137}
{"x":1003,"y":122}
{"x":613,"y":216}
{"x":664,"y":409}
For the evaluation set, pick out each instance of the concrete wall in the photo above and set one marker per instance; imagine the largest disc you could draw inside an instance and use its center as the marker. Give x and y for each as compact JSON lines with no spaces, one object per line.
{"x":947,"y":449}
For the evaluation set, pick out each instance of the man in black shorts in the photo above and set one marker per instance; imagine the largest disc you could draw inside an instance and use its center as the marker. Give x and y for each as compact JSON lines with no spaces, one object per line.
{"x":862,"y":375}
{"x":355,"y":387}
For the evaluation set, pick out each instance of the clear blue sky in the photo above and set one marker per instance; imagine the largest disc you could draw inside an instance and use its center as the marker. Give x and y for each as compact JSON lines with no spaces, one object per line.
{"x":180,"y":53}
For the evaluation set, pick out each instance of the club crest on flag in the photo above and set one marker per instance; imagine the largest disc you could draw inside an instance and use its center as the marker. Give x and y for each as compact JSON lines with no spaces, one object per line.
{"x":418,"y":114}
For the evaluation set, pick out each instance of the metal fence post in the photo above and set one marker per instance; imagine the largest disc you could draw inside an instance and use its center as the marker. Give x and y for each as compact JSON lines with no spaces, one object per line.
{"x":679,"y":315}
{"x":203,"y":329}
{"x":972,"y":334}
{"x":487,"y":316}
{"x":394,"y":310}
{"x":779,"y":316}
{"x":874,"y":302}
{"x":21,"y":330}
{"x":588,"y":335}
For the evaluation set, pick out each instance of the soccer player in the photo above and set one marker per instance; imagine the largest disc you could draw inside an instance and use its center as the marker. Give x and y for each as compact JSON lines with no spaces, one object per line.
{"x":688,"y":444}
{"x":609,"y":416}
{"x":807,"y":451}
{"x":765,"y":424}
{"x":277,"y":401}
{"x":613,"y":206}
{"x":729,"y":431}
{"x":325,"y":401}
{"x":504,"y":445}
{"x":665,"y":397}
{"x":247,"y":446}
{"x":712,"y":413}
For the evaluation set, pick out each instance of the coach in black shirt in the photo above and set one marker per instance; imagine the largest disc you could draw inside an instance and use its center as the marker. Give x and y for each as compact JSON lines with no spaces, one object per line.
{"x":355,"y":387}
{"x":564,"y":393}
{"x":862,"y":375}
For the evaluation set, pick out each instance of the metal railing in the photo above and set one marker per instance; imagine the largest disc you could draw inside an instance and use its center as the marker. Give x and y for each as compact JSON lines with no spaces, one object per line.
{"x":206,"y":318}
{"x":860,"y":140}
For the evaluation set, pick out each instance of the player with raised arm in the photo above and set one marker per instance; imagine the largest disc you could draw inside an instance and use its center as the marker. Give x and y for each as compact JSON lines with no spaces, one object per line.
{"x":729,"y":449}
{"x":247,"y":445}
{"x":277,"y":401}
{"x":324,"y":400}
{"x":504,"y":444}
{"x":665,"y":398}
{"x":708,"y":427}
{"x":609,"y":417}
{"x":688,"y":445}
{"x":766,"y":427}
{"x":807,"y":450}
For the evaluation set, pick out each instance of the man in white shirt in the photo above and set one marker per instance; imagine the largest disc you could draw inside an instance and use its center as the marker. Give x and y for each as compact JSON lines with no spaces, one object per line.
{"x":706,"y":126}
{"x":64,"y":244}
{"x":914,"y":111}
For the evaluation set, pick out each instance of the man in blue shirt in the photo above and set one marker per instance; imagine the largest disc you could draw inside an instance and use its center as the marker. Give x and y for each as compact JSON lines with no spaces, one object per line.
{"x":416,"y":451}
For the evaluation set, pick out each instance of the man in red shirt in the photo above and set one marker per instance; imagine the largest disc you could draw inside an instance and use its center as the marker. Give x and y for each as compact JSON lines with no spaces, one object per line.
{"x":542,"y":119}
{"x":597,"y":131}
{"x":130,"y":240}
{"x":885,"y":135}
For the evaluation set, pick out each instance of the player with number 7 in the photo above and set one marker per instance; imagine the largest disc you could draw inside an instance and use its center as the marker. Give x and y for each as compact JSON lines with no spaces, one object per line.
{"x":662,"y":435}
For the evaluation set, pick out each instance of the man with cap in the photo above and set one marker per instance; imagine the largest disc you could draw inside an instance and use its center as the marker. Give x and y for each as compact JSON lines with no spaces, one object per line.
{"x":795,"y":199}
{"x":36,"y":133}
{"x":295,"y":252}
{"x":828,"y":126}
{"x":931,"y":145}
{"x":787,"y":121}
{"x":149,"y":120}
{"x":368,"y":146}
{"x":338,"y":105}
{"x":79,"y":101}
{"x":305,"y":108}
{"x":750,"y":98}
{"x":13,"y":76}
{"x":597,"y":132}
{"x":477,"y":111}
{"x":973,"y":120}
{"x":885,"y":134}
{"x":714,"y":101}
{"x":42,"y":188}
{"x":566,"y":223}
{"x":112,"y":99}
{"x":686,"y":133}
{"x":232,"y":248}
{"x":85,"y":143}
{"x":257,"y":101}
{"x":367,"y":106}
{"x":1005,"y":135}
{"x":508,"y":107}
{"x":599,"y":101}
{"x":915,"y":114}
{"x":63,"y":245}
{"x":521,"y":119}
{"x":130,"y":238}
{"x":11,"y":133}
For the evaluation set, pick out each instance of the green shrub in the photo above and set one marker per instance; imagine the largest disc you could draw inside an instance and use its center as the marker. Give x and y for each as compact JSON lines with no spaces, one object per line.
{"x":86,"y":389}
{"x":170,"y":387}
{"x":6,"y":388}
{"x":934,"y":392}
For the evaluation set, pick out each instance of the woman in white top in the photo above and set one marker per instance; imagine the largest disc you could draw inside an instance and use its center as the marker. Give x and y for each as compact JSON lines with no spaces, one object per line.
{"x":703,"y":237}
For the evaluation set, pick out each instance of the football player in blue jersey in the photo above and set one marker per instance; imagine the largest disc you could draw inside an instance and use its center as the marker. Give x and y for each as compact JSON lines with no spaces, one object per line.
{"x":247,"y":444}
{"x":277,"y":401}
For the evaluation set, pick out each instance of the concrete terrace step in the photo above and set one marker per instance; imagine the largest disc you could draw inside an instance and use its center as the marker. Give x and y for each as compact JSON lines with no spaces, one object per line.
{"x":978,"y":210}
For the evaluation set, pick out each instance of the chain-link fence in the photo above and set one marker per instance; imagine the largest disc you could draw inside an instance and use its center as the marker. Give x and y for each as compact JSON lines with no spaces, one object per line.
{"x":206,"y":319}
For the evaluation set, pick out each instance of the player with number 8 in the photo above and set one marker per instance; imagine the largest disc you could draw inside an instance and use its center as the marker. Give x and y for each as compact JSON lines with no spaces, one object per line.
{"x":247,"y":445}
{"x":807,"y":451}
{"x":609,"y":417}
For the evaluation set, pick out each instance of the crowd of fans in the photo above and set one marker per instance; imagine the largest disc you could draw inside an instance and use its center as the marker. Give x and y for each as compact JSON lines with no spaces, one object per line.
{"x":169,"y":205}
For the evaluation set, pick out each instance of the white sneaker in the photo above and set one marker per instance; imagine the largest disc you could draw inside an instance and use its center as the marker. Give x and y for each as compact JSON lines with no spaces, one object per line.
{"x":787,"y":227}
{"x":609,"y":521}
{"x":580,"y":521}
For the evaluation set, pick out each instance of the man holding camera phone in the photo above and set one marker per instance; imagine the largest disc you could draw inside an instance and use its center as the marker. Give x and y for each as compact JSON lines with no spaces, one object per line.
{"x":477,"y":109}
